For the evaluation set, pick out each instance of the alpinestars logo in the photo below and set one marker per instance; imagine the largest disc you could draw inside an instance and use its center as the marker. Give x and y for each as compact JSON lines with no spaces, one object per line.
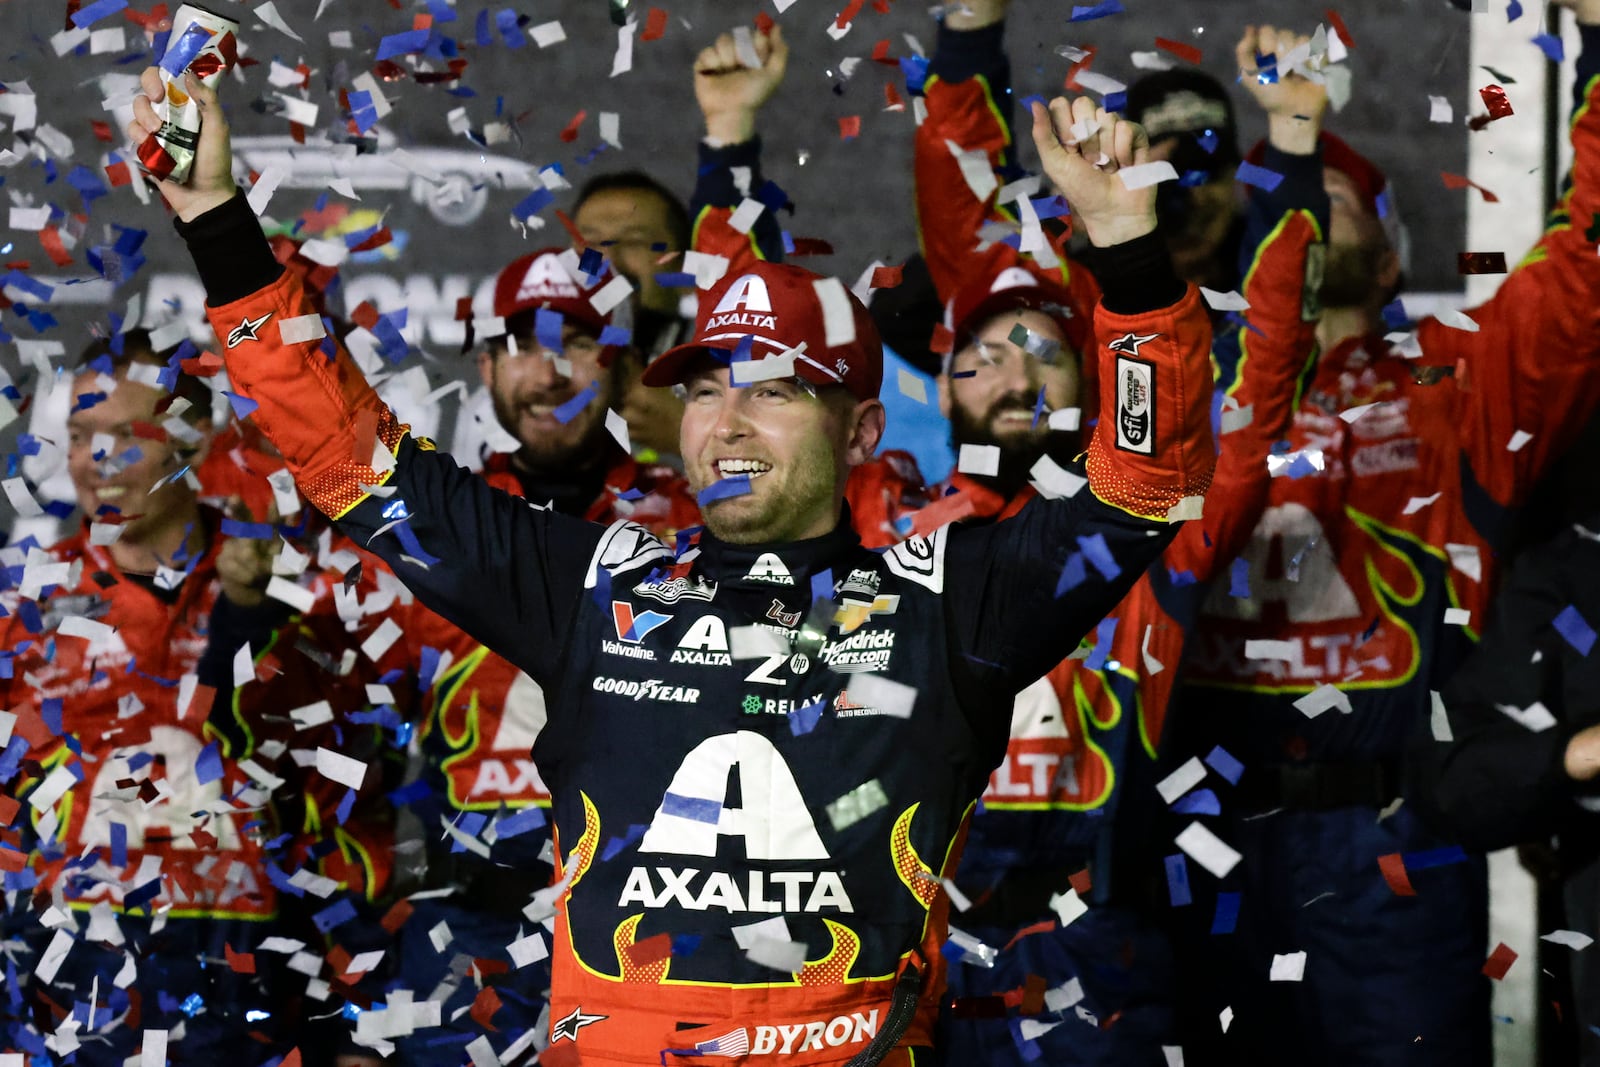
{"x":247,"y":330}
{"x":1136,"y":404}
{"x":568,"y":1027}
{"x":1130,"y":343}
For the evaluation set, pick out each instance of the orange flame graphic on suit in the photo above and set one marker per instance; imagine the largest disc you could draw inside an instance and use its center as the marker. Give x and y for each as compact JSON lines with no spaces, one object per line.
{"x":649,"y":973}
{"x":917,"y":876}
{"x":833,"y":968}
{"x":582,"y":853}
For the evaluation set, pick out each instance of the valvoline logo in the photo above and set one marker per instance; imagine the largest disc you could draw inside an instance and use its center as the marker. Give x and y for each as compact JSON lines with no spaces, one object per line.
{"x":632,"y":626}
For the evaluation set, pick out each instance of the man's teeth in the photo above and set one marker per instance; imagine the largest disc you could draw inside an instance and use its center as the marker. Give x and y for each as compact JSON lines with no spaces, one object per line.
{"x":728,"y":468}
{"x":111,"y":492}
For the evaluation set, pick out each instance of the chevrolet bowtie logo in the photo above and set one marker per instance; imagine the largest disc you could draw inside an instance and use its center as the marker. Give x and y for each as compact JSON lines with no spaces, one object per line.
{"x":568,"y":1028}
{"x":853,"y":614}
{"x":246,"y":331}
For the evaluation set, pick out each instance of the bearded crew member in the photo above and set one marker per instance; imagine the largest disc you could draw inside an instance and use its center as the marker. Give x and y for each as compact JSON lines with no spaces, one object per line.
{"x":700,"y":795}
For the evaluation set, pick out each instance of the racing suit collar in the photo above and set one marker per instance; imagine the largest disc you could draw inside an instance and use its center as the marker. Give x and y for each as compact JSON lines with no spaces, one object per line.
{"x":767,"y":564}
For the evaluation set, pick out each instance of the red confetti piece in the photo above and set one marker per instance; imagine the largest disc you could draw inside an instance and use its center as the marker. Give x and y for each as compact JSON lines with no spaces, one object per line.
{"x":1186,"y":52}
{"x":365,"y":316}
{"x":764,"y":22}
{"x":18,"y":264}
{"x":239,"y":962}
{"x":1393,"y":867}
{"x":892,"y":98}
{"x":377,"y":240}
{"x":572,"y":230}
{"x":561,"y":1054}
{"x":849,"y":127}
{"x":570,"y":134}
{"x":942,"y":341}
{"x":1078,"y":68}
{"x":1042,"y":927}
{"x":205,"y":365}
{"x":8,"y":809}
{"x":1494,"y":98}
{"x":881,"y":6}
{"x":811,"y":246}
{"x":887,"y":277}
{"x":148,"y":431}
{"x":650,"y":950}
{"x":422,"y":21}
{"x":102,"y":130}
{"x":1499,"y":961}
{"x":1340,"y":28}
{"x":292,"y":1059}
{"x":1481,"y":262}
{"x":484,"y":1005}
{"x":298,"y":132}
{"x":880,"y":54}
{"x":655,"y":24}
{"x":366,"y":436}
{"x":847,"y":16}
{"x":1081,"y":882}
{"x":50,"y":238}
{"x":1032,"y":995}
{"x":396,"y":916}
{"x":1456,"y":181}
{"x":463,"y":309}
{"x":119,"y":174}
{"x":12,"y":860}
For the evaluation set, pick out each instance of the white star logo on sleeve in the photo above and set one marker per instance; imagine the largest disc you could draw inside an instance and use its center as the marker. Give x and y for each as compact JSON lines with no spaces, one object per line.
{"x":568,"y":1028}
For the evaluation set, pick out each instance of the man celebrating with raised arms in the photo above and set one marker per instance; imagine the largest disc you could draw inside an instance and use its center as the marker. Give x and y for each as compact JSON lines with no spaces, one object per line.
{"x":749,"y":855}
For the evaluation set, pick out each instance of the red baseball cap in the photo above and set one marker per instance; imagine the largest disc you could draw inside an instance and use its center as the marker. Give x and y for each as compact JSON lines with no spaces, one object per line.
{"x":1014,"y":288}
{"x":542,"y":281}
{"x":781,"y":308}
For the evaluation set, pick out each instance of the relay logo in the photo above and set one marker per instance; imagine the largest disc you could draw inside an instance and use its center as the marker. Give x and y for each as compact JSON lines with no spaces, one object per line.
{"x":633,"y":627}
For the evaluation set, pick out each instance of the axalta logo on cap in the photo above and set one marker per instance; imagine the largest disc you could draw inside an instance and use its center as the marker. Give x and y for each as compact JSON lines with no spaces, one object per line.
{"x":746,"y":303}
{"x":547,"y":279}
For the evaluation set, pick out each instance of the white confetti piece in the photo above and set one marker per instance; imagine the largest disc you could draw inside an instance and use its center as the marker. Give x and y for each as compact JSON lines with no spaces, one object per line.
{"x":296,"y":110}
{"x":1230,"y":301}
{"x":1570,"y":938}
{"x":267,"y":184}
{"x":55,"y":954}
{"x":297,"y":597}
{"x":1350,"y":415}
{"x":30,"y":219}
{"x":441,"y":936}
{"x":838,"y":319}
{"x":1535,"y":717}
{"x":301,"y":328}
{"x":1466,"y":559}
{"x":1263,"y":649}
{"x":344,"y":187}
{"x":910,"y":385}
{"x":1068,"y":906}
{"x":885,"y":695}
{"x":8,"y":722}
{"x":153,"y":1051}
{"x":547,"y":33}
{"x":1417,"y":503}
{"x":340,"y":768}
{"x":92,"y":630}
{"x":1103,"y":84}
{"x":974,"y":951}
{"x":1066,"y":419}
{"x":1237,"y":418}
{"x":617,"y":427}
{"x":529,"y":949}
{"x":1322,"y":698}
{"x":610,"y":295}
{"x":1144,"y":175}
{"x":1457,"y":617}
{"x":111,"y":39}
{"x":1180,"y":781}
{"x":244,"y":667}
{"x":1032,"y":1029}
{"x":746,"y":214}
{"x":1053,"y":481}
{"x":62,"y":43}
{"x":1439,"y":718}
{"x":610,"y":128}
{"x":1456,"y":320}
{"x":975,"y":170}
{"x":958,"y":899}
{"x":1207,"y":849}
{"x":268,"y":13}
{"x":755,"y":642}
{"x":750,"y":371}
{"x":706,"y":268}
{"x":1439,"y":110}
{"x":381,"y":639}
{"x":980,"y":460}
{"x":1187,"y":510}
{"x":775,"y":929}
{"x":1518,"y":440}
{"x":1151,"y":664}
{"x":312,"y":714}
{"x":858,"y":803}
{"x":622,"y":62}
{"x":52,"y":789}
{"x":324,"y":252}
{"x":1290,"y":967}
{"x":482,"y":1053}
{"x":1065,"y":995}
{"x":786,"y":956}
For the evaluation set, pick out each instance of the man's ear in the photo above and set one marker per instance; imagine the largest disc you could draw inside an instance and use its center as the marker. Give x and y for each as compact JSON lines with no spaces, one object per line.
{"x":1388,"y":271}
{"x":866,"y":431}
{"x":486,"y":367}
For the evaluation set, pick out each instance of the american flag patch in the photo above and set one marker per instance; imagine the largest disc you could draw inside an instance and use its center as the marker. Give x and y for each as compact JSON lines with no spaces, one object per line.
{"x":734,"y":1043}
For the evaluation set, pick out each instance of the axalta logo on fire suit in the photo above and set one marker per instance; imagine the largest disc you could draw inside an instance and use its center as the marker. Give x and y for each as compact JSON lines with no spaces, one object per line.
{"x":648,"y":689}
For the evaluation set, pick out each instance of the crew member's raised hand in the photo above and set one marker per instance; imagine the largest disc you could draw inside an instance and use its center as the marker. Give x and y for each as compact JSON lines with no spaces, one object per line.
{"x":1084,"y":148}
{"x":1294,"y":103}
{"x":730,"y":91}
{"x":974,"y":14}
{"x":211,"y":179}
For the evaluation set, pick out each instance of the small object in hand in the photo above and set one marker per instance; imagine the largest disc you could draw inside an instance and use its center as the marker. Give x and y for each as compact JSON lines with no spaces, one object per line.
{"x":206,"y":45}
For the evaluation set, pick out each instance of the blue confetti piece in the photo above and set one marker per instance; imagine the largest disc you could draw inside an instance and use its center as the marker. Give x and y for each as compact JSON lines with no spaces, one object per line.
{"x":616,"y":335}
{"x":480,"y":30}
{"x":547,"y":326}
{"x":242,"y":406}
{"x":1105,"y":632}
{"x":592,"y":263}
{"x":915,"y":70}
{"x":1394,"y":315}
{"x":697,"y":809}
{"x":1178,"y":881}
{"x":334,"y":915}
{"x":1572,"y":626}
{"x":88,"y":16}
{"x":685,"y":944}
{"x":141,"y":896}
{"x":1209,"y":141}
{"x":1072,"y":575}
{"x":1514,"y":11}
{"x":803,"y":720}
{"x":1051,"y":207}
{"x":1222,"y":761}
{"x":1038,"y":409}
{"x":1239,"y":578}
{"x":470,"y":823}
{"x":1227,"y":914}
{"x":574,"y":407}
{"x":1266,"y":68}
{"x":1434,"y":857}
{"x":1198,"y":802}
{"x":519,"y":822}
{"x":533,"y":203}
{"x":250,"y":531}
{"x":822,"y":584}
{"x":1260,"y":177}
{"x":675,"y":280}
{"x":399,"y":44}
{"x":119,"y":844}
{"x":50,"y":712}
{"x":1083,"y":13}
{"x":181,"y":53}
{"x":1099,"y":555}
{"x":1550,"y":45}
{"x":617,"y":844}
{"x":1115,"y":101}
{"x":346,"y":806}
{"x":725,"y":489}
{"x":208,"y":765}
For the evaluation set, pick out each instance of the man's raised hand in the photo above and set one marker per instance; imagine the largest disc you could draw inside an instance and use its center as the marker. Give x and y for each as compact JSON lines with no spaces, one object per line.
{"x":730,"y":91}
{"x":1294,"y":103}
{"x":211,"y":179}
{"x":1084,"y":149}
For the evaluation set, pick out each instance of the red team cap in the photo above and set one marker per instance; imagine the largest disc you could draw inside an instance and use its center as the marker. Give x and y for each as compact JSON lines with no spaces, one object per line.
{"x":1012,"y":289}
{"x":1370,"y":182}
{"x":780,"y":308}
{"x":541,"y":282}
